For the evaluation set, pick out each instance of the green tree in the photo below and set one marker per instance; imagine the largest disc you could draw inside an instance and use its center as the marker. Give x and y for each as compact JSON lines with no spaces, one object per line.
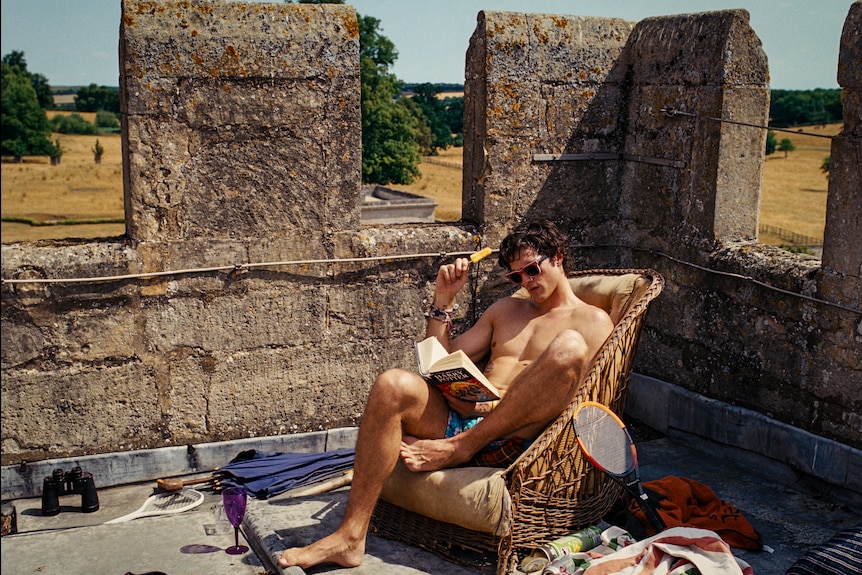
{"x":73,"y":123}
{"x":390,"y":152}
{"x":25,"y":130}
{"x":423,"y":136}
{"x":107,"y":120}
{"x":93,"y":98}
{"x":44,"y":95}
{"x":771,"y":142}
{"x":434,"y":114}
{"x":454,"y":108}
{"x":786,"y":145}
{"x":804,"y":107}
{"x":56,"y":152}
{"x":98,"y":151}
{"x":826,"y":166}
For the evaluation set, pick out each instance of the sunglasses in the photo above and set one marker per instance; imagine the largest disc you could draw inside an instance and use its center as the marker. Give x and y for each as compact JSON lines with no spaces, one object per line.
{"x":532,"y":269}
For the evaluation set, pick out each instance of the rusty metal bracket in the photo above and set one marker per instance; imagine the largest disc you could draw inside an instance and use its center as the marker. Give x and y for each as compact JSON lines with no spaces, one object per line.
{"x":573,"y":157}
{"x":606,"y":156}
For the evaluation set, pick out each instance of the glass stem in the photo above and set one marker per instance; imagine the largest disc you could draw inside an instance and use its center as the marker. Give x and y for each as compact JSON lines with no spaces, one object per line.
{"x":236,"y":535}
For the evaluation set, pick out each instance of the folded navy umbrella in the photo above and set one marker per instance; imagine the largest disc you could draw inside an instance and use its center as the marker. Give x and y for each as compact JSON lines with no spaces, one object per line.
{"x":265,"y":474}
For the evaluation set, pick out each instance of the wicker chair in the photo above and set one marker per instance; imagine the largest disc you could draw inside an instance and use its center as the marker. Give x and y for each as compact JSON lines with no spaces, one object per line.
{"x":467,"y":515}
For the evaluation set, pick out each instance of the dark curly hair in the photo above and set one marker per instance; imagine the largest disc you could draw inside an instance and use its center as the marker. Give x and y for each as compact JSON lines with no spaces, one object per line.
{"x":542,"y":236}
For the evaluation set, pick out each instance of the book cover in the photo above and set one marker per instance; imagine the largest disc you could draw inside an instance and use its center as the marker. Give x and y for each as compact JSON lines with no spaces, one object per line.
{"x":453,"y":373}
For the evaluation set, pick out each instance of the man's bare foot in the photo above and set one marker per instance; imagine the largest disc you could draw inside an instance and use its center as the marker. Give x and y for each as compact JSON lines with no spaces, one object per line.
{"x":331,"y":549}
{"x":430,"y":454}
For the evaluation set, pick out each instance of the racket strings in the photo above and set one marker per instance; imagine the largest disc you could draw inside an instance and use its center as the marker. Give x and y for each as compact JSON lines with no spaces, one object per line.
{"x":172,"y":502}
{"x":604,"y":441}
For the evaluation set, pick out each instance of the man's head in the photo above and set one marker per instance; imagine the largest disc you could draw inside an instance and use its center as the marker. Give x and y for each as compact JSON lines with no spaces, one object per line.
{"x":543,"y":237}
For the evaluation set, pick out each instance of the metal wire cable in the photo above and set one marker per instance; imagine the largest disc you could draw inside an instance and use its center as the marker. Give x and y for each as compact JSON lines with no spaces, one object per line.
{"x":671,"y":112}
{"x":234,"y":268}
{"x":728,"y":274}
{"x":441,"y":255}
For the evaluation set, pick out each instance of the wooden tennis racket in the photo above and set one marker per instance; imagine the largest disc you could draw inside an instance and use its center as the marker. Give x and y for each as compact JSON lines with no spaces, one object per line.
{"x":606,"y":442}
{"x":164,"y":504}
{"x":176,"y":483}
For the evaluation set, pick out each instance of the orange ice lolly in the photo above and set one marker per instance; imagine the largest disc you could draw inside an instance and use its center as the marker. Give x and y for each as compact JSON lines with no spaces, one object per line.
{"x":480,"y":255}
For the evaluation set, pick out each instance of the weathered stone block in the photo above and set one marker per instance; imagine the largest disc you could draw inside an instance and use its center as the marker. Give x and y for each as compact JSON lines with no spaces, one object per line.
{"x":842,"y":250}
{"x":850,"y":53}
{"x":711,"y":188}
{"x":241,"y":119}
{"x":535,"y":80}
{"x":61,"y":413}
{"x":262,"y":318}
{"x":709,"y":48}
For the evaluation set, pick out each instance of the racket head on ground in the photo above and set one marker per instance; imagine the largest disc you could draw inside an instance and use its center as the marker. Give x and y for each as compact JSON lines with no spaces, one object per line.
{"x":165,"y":504}
{"x":604,"y":439}
{"x":606,"y":442}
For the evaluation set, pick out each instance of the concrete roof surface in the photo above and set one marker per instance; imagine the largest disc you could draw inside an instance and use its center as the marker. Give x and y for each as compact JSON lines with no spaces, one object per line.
{"x":791,"y":515}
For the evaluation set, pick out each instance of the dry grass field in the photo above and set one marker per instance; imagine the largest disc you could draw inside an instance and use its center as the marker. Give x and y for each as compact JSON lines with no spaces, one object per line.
{"x":76,"y":189}
{"x":793,"y":196}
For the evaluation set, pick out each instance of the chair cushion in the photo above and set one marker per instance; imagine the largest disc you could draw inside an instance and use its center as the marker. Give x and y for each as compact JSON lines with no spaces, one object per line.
{"x":475,"y":498}
{"x":612,"y":293}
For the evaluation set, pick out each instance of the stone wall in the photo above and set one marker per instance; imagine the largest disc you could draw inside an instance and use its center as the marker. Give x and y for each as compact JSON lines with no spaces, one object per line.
{"x":241,"y":133}
{"x":247,"y":298}
{"x":766,"y":330}
{"x":644,"y":177}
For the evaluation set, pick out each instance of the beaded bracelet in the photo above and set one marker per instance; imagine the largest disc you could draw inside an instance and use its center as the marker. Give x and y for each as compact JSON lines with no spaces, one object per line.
{"x":444,"y":315}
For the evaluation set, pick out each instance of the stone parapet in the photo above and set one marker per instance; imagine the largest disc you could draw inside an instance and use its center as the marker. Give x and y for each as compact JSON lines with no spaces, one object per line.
{"x":249,"y":300}
{"x":842,"y":239}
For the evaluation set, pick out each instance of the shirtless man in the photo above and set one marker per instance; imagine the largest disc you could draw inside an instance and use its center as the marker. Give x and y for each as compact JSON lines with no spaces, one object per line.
{"x":540,"y":348}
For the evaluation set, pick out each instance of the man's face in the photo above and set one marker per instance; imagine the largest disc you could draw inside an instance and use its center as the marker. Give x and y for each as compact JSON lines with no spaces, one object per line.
{"x":532,"y":271}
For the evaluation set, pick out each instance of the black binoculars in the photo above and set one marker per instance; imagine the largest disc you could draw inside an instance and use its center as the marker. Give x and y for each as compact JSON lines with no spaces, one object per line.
{"x":74,"y":482}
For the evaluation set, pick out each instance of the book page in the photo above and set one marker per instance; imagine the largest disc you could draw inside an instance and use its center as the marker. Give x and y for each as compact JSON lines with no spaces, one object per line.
{"x":455,"y":359}
{"x":428,"y":352}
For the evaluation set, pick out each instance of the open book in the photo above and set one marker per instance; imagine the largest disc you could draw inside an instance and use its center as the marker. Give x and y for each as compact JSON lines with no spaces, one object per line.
{"x":453,"y":373}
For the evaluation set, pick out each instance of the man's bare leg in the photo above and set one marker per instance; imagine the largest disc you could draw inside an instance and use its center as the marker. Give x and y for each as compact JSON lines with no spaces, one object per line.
{"x":398,"y":401}
{"x":536,"y":397}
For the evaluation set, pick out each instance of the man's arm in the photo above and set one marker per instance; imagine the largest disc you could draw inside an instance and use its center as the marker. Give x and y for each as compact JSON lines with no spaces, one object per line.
{"x":475,"y":342}
{"x":450,"y":279}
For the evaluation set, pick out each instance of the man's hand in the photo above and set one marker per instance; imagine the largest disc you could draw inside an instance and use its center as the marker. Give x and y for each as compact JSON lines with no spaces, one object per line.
{"x":450,"y":279}
{"x":470,"y":408}
{"x":462,"y":408}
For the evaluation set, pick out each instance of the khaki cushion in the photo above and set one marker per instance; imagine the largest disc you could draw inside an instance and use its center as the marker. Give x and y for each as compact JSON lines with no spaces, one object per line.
{"x":612,"y":293}
{"x":473,"y":497}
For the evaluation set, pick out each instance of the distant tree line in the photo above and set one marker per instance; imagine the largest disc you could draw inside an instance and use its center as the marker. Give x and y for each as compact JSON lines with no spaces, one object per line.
{"x":92,"y":98}
{"x":400,"y":122}
{"x":26,"y":130}
{"x":788,"y":108}
{"x":95,"y":98}
{"x":442,"y":87}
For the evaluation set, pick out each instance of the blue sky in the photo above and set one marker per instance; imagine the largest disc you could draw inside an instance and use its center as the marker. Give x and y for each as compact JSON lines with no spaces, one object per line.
{"x":75,"y":42}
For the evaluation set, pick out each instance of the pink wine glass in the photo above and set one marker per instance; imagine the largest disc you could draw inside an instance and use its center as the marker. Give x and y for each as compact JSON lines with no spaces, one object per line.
{"x":234,"y":507}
